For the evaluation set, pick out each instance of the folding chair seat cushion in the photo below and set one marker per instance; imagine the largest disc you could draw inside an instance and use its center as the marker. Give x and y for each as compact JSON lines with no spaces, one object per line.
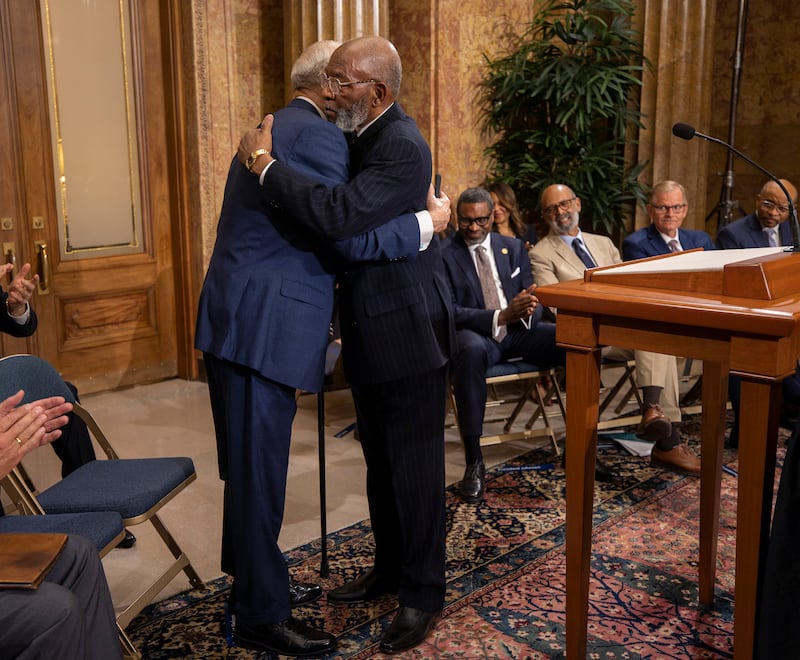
{"x":131,"y":486}
{"x":510,"y":368}
{"x":101,"y":527}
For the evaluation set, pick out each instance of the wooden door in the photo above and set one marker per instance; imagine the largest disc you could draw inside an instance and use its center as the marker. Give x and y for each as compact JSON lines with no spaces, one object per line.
{"x":106,"y":309}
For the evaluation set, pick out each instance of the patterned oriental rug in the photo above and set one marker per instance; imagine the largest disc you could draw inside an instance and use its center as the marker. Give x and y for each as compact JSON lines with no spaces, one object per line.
{"x":506,"y":575}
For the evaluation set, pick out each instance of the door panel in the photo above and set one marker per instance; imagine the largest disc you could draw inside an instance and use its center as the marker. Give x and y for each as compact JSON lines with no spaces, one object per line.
{"x":104,"y":321}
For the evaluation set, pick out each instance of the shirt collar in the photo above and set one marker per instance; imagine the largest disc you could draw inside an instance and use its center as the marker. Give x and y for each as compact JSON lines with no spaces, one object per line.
{"x":360,"y":131}
{"x":313,"y":105}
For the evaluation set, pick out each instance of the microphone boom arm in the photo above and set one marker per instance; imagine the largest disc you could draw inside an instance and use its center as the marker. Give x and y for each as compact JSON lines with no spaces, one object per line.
{"x":682,"y":132}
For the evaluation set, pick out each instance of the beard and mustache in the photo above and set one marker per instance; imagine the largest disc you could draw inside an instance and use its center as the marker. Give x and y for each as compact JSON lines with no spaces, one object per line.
{"x":564,"y":223}
{"x":349,"y":119}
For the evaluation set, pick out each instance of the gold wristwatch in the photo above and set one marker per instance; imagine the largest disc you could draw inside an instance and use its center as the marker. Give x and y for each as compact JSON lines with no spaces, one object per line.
{"x":253,"y":157}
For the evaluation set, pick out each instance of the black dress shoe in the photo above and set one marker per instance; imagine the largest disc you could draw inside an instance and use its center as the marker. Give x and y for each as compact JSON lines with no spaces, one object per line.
{"x":473,"y":485}
{"x":290,"y":637}
{"x":301,"y":593}
{"x":128,"y":541}
{"x":409,"y":628}
{"x":367,"y":587}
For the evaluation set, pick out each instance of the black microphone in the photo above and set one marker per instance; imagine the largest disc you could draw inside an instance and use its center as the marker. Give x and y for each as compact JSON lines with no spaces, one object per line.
{"x":687,"y":132}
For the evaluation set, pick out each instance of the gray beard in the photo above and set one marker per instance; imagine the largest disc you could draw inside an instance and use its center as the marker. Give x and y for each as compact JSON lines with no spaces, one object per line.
{"x":559,"y":228}
{"x":349,"y":119}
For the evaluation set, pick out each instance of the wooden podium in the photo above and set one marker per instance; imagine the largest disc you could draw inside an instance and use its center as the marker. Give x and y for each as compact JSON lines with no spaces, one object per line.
{"x":737,"y":311}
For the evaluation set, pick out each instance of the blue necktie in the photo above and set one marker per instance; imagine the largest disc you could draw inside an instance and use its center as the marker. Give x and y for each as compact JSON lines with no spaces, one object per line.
{"x":583,"y":255}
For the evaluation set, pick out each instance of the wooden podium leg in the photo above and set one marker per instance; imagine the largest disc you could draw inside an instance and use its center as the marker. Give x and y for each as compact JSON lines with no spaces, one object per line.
{"x":715,"y":384}
{"x":583,"y":390}
{"x":758,"y":439}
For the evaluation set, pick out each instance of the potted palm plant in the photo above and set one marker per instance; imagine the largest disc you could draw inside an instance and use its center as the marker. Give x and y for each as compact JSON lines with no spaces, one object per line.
{"x":562,"y":107}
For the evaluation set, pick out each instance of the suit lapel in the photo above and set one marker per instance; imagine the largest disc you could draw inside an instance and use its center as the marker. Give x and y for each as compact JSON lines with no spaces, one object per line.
{"x":566,"y":254}
{"x":502,"y":261}
{"x":785,"y":232}
{"x":464,"y":259}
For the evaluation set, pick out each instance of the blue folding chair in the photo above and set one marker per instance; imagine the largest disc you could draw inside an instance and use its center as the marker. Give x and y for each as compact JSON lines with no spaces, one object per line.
{"x":133,"y":488}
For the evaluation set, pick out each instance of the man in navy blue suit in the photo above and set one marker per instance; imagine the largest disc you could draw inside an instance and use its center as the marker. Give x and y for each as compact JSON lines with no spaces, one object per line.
{"x":263,"y":321}
{"x":397,"y":330}
{"x":502,"y":323}
{"x":770,"y":216}
{"x":667,"y":208}
{"x":766,"y":226}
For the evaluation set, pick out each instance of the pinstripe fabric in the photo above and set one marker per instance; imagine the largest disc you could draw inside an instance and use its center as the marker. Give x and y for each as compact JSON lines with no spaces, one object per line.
{"x":397,"y":331}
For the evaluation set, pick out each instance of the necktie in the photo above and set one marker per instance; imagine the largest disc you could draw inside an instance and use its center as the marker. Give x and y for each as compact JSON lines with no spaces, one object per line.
{"x":772,"y":235}
{"x":490,"y":297}
{"x":673,"y":246}
{"x":583,"y":255}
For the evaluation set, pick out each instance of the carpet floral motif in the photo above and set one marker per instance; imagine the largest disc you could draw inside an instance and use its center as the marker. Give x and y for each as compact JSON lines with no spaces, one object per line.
{"x":506,"y":576}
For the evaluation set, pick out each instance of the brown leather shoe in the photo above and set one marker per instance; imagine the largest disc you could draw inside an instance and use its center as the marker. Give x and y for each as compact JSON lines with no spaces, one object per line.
{"x":679,"y":459}
{"x":655,"y":425}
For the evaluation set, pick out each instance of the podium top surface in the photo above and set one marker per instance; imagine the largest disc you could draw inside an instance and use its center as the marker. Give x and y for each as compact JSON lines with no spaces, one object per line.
{"x":736,"y":289}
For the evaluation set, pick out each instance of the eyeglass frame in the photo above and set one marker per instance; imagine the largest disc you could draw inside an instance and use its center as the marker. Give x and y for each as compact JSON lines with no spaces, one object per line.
{"x":663,"y":208}
{"x":772,"y":206}
{"x":563,"y":205}
{"x":482,"y":221}
{"x":336,"y":85}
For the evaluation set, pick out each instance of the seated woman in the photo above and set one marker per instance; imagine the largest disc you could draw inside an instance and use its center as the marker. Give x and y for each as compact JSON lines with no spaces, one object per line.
{"x":506,"y":217}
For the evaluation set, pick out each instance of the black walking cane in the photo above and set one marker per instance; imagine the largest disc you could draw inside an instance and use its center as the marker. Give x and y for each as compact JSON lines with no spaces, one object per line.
{"x":323,"y":508}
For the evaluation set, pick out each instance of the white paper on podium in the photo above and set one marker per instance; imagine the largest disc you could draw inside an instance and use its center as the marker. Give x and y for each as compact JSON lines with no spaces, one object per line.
{"x":702,"y":260}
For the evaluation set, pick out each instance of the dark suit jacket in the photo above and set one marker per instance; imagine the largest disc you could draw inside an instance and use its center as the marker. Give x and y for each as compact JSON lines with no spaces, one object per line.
{"x":11,"y":327}
{"x":396,"y":317}
{"x":647,"y":242}
{"x":513,"y":267}
{"x":747,"y":233}
{"x":267,"y":299}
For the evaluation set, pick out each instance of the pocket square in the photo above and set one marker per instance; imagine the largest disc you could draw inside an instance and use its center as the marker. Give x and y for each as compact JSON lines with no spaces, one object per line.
{"x":515,"y":273}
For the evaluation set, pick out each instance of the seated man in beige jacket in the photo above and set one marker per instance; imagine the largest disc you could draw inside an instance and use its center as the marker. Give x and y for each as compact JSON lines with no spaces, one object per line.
{"x":564,"y":254}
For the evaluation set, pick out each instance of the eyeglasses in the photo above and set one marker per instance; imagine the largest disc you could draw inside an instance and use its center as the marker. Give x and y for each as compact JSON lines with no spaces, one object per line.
{"x":563,"y":205}
{"x":336,"y":85}
{"x":481,"y":222}
{"x":663,"y":208}
{"x":770,"y":205}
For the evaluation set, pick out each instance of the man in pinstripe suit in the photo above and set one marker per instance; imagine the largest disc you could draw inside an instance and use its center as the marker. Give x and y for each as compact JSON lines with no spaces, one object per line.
{"x":397,"y":330}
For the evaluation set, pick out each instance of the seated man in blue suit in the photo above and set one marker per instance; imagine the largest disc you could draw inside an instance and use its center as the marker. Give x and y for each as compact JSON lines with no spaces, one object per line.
{"x":262,"y":324}
{"x":494,"y":324}
{"x":764,"y":227}
{"x":667,"y":209}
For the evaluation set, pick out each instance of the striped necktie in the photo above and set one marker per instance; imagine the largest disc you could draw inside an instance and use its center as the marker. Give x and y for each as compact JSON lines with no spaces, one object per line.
{"x":490,"y":297}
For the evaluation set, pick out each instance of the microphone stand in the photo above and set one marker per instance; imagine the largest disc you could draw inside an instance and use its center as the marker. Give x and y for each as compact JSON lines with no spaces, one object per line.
{"x":726,"y":205}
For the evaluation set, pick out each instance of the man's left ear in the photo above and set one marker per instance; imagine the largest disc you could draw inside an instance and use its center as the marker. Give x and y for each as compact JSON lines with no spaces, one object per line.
{"x":380,"y":93}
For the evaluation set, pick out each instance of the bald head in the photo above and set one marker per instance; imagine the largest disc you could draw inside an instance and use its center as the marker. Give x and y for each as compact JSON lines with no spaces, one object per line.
{"x":372,"y":57}
{"x":364,"y":78}
{"x":561,"y":209}
{"x":772,"y":207}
